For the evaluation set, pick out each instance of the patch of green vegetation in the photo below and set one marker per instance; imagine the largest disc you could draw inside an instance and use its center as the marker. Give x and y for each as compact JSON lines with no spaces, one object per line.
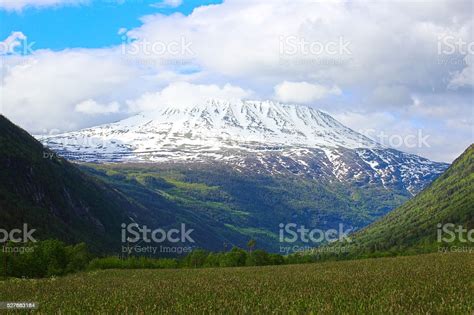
{"x":253,"y":232}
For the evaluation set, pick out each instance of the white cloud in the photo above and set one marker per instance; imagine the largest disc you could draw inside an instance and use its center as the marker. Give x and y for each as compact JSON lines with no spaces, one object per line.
{"x":168,"y":4}
{"x":465,"y":77}
{"x":186,"y":94}
{"x":92,"y":107}
{"x":40,"y":91}
{"x":18,"y":5}
{"x":303,"y":92}
{"x":392,"y":59}
{"x":389,"y":96}
{"x":271,"y":41}
{"x":443,"y":121}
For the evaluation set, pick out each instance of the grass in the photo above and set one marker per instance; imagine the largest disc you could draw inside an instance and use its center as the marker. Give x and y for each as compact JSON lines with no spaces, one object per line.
{"x":433,"y":283}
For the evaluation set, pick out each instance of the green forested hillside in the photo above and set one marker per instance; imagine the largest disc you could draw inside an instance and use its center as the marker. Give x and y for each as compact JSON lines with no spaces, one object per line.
{"x":414,"y":226}
{"x":238,"y":207}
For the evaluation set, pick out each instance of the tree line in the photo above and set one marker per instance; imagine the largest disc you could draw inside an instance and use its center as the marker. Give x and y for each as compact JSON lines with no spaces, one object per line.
{"x":55,"y":258}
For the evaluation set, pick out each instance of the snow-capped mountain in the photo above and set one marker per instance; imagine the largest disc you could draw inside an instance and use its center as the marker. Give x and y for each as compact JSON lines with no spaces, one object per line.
{"x":256,"y":136}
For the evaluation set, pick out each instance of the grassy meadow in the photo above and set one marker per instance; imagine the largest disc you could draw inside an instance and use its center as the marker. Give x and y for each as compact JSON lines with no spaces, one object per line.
{"x":431,"y":283}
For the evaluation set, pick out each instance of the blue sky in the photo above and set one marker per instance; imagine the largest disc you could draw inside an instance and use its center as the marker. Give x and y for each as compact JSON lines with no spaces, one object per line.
{"x":91,"y":25}
{"x":381,"y":68}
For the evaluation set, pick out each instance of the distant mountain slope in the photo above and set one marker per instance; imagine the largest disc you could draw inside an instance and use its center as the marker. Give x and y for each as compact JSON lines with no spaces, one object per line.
{"x":240,"y":206}
{"x":54,"y":197}
{"x":414,"y":225}
{"x":256,"y":137}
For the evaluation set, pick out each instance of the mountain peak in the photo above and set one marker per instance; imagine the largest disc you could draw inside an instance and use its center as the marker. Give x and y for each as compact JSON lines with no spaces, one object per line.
{"x":225,"y":123}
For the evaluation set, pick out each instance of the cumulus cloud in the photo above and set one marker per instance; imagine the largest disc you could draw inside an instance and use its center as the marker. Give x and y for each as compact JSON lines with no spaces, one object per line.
{"x":186,"y":94}
{"x":303,"y":92}
{"x":390,"y":65}
{"x":92,"y":107}
{"x":18,"y":5}
{"x":41,"y":91}
{"x":315,"y":41}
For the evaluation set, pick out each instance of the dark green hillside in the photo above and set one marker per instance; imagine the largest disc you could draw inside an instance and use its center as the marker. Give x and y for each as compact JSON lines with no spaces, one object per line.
{"x":54,"y":197}
{"x":414,"y":226}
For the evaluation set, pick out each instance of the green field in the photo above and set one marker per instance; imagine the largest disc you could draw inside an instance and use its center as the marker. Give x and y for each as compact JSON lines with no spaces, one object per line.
{"x":433,"y":283}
